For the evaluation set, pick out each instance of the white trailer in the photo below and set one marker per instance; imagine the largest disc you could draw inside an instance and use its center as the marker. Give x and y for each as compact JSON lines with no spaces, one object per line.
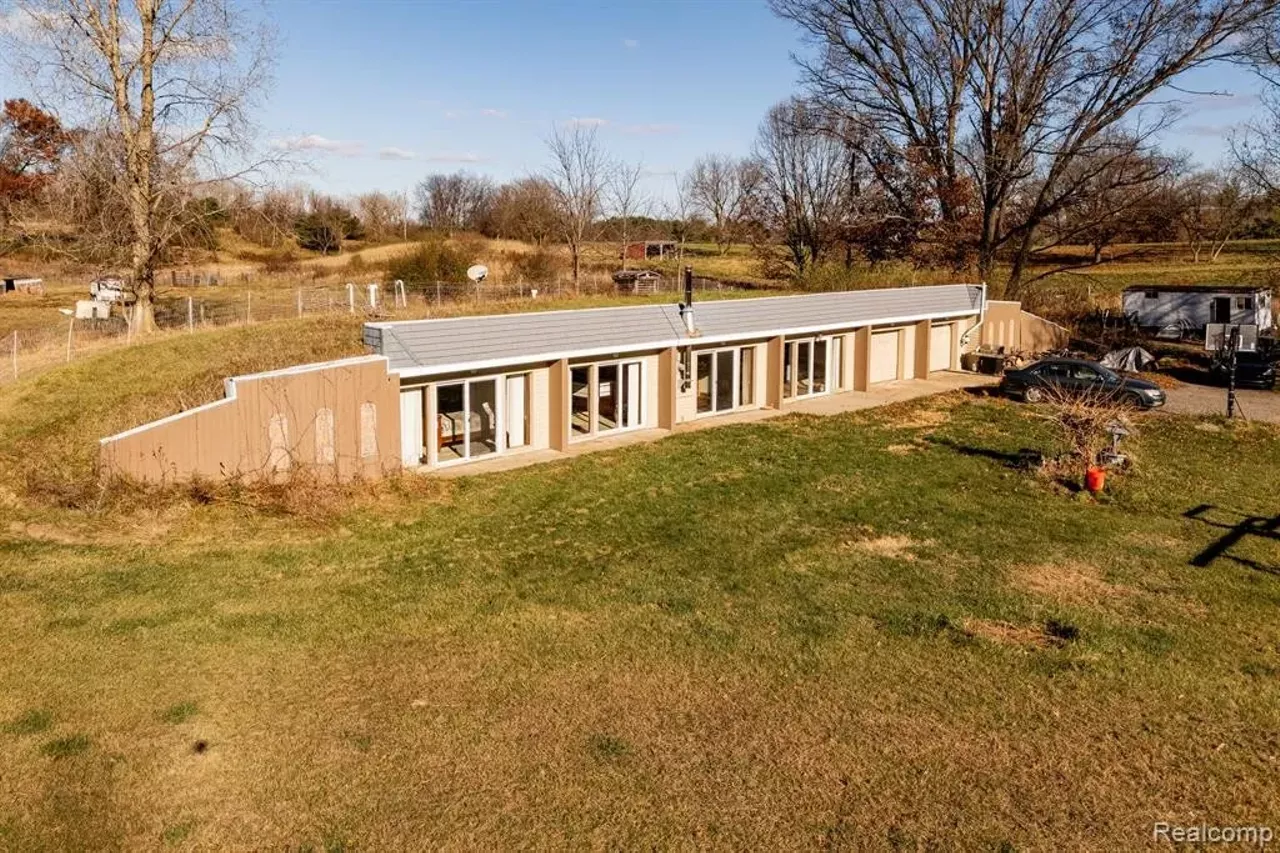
{"x":1193,"y":307}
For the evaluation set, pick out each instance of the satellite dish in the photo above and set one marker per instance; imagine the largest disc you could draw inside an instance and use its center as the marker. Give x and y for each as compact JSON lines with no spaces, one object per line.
{"x":478,"y":272}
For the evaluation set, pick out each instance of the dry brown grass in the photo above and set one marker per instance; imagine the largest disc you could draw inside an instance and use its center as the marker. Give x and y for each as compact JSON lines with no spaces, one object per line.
{"x":1070,"y":582}
{"x":1007,"y":633}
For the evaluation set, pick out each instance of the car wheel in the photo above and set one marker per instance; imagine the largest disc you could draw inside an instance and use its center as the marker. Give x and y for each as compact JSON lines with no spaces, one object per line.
{"x":1033,"y":394}
{"x":1135,"y":400}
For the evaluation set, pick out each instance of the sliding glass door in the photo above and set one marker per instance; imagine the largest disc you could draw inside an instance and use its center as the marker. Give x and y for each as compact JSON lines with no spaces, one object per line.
{"x":467,"y":420}
{"x":725,"y":379}
{"x":808,"y":365}
{"x":606,"y":397}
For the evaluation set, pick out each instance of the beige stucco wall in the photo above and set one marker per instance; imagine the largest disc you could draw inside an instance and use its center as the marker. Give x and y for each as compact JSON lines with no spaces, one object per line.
{"x":339,"y":419}
{"x":1007,"y":325}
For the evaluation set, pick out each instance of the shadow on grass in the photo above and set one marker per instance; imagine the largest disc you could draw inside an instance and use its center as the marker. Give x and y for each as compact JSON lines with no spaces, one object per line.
{"x":1245,"y":526}
{"x":1024,"y":459}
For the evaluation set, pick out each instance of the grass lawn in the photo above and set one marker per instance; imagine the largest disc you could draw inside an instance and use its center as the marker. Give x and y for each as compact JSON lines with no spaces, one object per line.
{"x":862,"y":631}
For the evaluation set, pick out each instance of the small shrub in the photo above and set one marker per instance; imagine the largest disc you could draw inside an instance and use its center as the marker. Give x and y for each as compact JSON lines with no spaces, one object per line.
{"x":280,"y":262}
{"x":538,"y":267}
{"x":430,"y":262}
{"x":357,"y":264}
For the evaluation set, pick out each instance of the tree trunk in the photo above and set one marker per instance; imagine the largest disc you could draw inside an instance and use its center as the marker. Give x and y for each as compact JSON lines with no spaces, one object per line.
{"x":577,"y":266}
{"x":987,"y":267}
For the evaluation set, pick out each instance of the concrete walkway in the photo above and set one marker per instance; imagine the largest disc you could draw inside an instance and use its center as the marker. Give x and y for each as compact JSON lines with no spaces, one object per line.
{"x":831,"y":404}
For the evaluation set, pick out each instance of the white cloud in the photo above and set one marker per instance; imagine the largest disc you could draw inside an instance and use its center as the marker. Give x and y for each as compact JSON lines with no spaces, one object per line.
{"x":393,"y":153}
{"x":588,"y":121}
{"x":316,"y":142}
{"x":494,"y":113}
{"x":454,"y":157}
{"x":1206,"y":102}
{"x":630,"y":44}
{"x":451,"y":114}
{"x":651,"y":128}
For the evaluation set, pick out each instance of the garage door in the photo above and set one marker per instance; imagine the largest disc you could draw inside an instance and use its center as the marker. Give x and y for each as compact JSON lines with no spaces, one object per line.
{"x":940,"y":347}
{"x":884,"y":356}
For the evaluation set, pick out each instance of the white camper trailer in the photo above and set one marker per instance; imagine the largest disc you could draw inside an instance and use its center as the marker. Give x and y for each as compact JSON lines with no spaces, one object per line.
{"x":1190,"y":308}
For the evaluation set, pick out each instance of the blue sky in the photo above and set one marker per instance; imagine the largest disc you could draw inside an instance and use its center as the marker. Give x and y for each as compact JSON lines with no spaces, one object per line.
{"x":478,"y":85}
{"x":377,"y":94}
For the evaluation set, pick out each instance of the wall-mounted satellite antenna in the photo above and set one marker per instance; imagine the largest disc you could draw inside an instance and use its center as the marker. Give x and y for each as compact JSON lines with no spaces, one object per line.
{"x":478,"y":273}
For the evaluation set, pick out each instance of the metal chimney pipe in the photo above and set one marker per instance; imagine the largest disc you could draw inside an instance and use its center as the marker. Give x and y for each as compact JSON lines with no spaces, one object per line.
{"x":686,"y":310}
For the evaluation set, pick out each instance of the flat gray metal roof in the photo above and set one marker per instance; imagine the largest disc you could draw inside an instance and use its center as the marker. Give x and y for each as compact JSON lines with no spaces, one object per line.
{"x":426,"y":347}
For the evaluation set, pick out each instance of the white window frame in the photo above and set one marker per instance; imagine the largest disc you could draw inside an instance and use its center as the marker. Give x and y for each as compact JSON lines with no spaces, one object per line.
{"x":500,"y":418}
{"x":793,"y":349}
{"x":593,"y":390}
{"x":737,"y":378}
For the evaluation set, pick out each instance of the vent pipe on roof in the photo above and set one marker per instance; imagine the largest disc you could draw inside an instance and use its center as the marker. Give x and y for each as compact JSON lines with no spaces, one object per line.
{"x":686,"y":307}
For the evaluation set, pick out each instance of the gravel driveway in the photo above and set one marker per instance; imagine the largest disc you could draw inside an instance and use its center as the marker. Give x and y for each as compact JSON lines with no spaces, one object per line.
{"x":1211,"y":400}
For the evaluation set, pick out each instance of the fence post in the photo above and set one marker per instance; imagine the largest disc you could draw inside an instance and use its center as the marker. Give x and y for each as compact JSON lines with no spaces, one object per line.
{"x":402,"y":299}
{"x":71,"y":328}
{"x":299,"y":301}
{"x":201,"y":313}
{"x":437,"y":294}
{"x":15,"y":353}
{"x":351,"y":298}
{"x":373,"y":296}
{"x":191,"y":315}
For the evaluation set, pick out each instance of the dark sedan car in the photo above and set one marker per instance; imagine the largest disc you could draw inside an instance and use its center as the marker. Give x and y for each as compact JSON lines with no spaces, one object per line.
{"x":1073,"y":376}
{"x":1253,"y":370}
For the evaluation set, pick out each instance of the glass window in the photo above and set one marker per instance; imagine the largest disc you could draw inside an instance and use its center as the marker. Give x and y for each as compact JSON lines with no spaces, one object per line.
{"x":704,"y":382}
{"x":819,"y":383}
{"x":482,"y":422}
{"x":451,"y":435}
{"x":724,"y":380}
{"x":747,"y":376}
{"x":580,"y":393}
{"x":804,"y":366}
{"x":608,"y":393}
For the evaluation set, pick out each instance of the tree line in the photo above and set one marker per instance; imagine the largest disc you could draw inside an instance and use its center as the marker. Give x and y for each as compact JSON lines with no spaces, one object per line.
{"x":978,"y":135}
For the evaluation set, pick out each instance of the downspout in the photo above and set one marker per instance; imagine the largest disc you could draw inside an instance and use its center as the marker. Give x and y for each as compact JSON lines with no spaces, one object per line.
{"x":982,"y":315}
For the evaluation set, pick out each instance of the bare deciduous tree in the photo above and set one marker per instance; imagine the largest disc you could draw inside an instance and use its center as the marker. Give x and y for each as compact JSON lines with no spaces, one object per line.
{"x":719,"y":187}
{"x":382,"y":215}
{"x":626,"y":199}
{"x":804,"y":180}
{"x":524,"y":209}
{"x":456,"y":202}
{"x":1008,"y":95}
{"x":172,"y":81}
{"x":577,"y":174}
{"x":1212,"y":208}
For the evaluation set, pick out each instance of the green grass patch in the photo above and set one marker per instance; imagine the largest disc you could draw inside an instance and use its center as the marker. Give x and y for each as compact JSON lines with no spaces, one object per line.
{"x":31,"y":723}
{"x":65,"y":747}
{"x":180,"y":712}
